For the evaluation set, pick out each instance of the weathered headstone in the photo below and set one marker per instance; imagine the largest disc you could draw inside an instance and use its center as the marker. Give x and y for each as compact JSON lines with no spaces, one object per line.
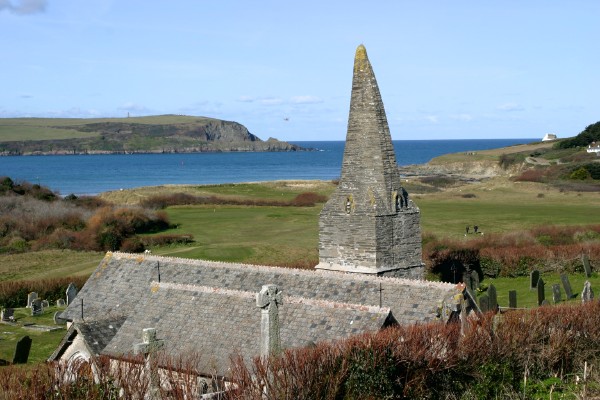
{"x":473,"y":280}
{"x":36,"y":307}
{"x":545,"y":303}
{"x":484,"y":303}
{"x":45,"y":304}
{"x":512,"y":298}
{"x":567,"y":285}
{"x":22,"y":350}
{"x":8,"y":314}
{"x":57,"y":319}
{"x":587,"y":294}
{"x":30,"y":298}
{"x":60,"y":303}
{"x":541,"y":291}
{"x":534,"y":277}
{"x":556,"y":294}
{"x":71,"y":293}
{"x":149,"y":347}
{"x":493,"y":297}
{"x":268,"y":300}
{"x":586,"y":265}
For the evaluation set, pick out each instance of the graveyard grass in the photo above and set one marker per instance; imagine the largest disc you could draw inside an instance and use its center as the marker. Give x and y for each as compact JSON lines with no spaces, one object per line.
{"x":43,"y":343}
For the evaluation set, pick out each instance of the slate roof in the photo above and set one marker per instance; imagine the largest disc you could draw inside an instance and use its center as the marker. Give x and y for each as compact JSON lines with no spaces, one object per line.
{"x":209,"y":308}
{"x":116,"y":286}
{"x":216,"y":324}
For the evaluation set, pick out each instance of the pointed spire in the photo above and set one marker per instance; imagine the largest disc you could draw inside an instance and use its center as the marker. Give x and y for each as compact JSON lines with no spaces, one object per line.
{"x":368,"y":140}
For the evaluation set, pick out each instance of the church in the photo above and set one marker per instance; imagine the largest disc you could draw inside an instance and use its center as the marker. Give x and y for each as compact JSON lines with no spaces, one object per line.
{"x":369,"y":276}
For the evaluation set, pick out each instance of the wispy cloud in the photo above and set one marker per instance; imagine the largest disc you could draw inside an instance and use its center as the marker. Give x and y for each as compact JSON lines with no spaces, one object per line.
{"x":462,"y":117}
{"x":246,"y":99}
{"x":133,"y":107}
{"x":306,"y":100}
{"x":510,"y":107}
{"x":434,"y":119}
{"x":23,"y":7}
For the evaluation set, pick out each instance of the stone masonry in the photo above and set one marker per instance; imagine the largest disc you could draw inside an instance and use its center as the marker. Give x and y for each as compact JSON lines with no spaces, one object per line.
{"x":369,"y":225}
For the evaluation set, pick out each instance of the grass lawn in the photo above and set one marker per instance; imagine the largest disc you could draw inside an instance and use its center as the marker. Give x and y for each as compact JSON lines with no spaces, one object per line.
{"x":259,"y":235}
{"x":502,"y":207}
{"x":43,"y":343}
{"x":47,"y":264}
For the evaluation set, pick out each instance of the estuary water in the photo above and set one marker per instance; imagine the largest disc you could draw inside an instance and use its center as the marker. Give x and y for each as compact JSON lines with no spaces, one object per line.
{"x":92,"y":174}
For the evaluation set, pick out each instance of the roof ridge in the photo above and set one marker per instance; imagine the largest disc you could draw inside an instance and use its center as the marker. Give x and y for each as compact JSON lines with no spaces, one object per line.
{"x":251,"y":295}
{"x":290,"y":271}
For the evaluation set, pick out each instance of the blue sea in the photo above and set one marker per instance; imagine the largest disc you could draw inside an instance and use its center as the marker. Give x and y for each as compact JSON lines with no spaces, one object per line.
{"x":92,"y":174}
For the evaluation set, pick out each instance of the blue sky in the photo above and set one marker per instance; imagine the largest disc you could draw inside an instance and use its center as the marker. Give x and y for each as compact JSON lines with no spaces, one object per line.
{"x":446,"y":69}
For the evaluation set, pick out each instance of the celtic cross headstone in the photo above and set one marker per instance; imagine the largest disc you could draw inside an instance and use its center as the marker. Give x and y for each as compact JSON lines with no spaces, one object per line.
{"x":268,"y":300}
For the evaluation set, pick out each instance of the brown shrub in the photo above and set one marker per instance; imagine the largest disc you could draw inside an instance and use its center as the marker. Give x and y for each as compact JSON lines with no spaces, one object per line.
{"x":531,"y":175}
{"x":14,"y":293}
{"x":308,"y":199}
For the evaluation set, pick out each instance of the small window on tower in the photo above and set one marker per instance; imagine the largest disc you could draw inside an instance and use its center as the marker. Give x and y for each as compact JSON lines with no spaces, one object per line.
{"x":348,"y":205}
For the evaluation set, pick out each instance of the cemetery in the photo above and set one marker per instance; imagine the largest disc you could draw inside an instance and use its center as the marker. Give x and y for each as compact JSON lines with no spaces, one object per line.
{"x":363,"y":324}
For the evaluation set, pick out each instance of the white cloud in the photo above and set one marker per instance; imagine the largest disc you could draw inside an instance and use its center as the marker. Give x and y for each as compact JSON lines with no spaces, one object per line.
{"x":23,"y":7}
{"x":271,"y":101}
{"x":306,"y":99}
{"x":246,"y":99}
{"x":434,"y":119}
{"x":510,"y":107}
{"x":462,"y":117}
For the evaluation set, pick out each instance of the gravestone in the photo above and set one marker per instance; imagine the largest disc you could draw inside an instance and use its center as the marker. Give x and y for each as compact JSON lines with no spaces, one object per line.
{"x":71,"y":293}
{"x":8,"y":314}
{"x":586,"y":265}
{"x":484,"y":303}
{"x":473,"y":280}
{"x":493,"y":296}
{"x":534,"y":277}
{"x":556,"y":295}
{"x":57,"y":319}
{"x":30,"y":298}
{"x":567,"y":285}
{"x":587,"y":294}
{"x":149,"y":347}
{"x":545,"y":303}
{"x":22,"y":350}
{"x":512,"y":298}
{"x":541,"y":293}
{"x":45,"y":304}
{"x":60,"y":303}
{"x":268,"y":300}
{"x":36,"y":307}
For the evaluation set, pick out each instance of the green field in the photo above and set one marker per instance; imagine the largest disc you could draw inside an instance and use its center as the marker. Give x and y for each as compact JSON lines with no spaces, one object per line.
{"x":25,"y":129}
{"x":47,"y":264}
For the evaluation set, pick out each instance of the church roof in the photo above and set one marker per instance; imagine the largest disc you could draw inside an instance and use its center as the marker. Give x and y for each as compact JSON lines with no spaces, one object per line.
{"x":116,"y":286}
{"x":209,"y":308}
{"x":216,"y":324}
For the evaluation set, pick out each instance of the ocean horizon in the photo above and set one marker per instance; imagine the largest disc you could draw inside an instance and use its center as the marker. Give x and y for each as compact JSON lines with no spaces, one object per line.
{"x":93,"y":174}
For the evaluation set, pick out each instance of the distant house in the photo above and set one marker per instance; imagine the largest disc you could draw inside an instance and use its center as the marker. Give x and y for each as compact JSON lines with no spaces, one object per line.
{"x":594,"y":147}
{"x":549,"y":137}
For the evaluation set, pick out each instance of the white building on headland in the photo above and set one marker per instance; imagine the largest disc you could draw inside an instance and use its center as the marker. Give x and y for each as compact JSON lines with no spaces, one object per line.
{"x":548,"y":137}
{"x":594,"y":147}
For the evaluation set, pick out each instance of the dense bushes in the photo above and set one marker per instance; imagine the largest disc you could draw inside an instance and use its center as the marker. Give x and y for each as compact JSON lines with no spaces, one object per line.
{"x":503,"y":356}
{"x":307,"y":199}
{"x":547,"y":248}
{"x":14,"y":293}
{"x":590,"y":134}
{"x":33,"y":217}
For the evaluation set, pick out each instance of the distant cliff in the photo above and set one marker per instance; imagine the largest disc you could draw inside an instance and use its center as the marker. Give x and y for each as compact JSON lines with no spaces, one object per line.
{"x":155,"y":134}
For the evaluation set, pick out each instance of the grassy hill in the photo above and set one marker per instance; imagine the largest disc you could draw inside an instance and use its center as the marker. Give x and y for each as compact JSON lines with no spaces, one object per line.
{"x":152,"y":134}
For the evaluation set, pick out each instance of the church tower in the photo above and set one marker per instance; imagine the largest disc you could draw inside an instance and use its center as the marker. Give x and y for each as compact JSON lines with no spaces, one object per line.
{"x":369,"y":225}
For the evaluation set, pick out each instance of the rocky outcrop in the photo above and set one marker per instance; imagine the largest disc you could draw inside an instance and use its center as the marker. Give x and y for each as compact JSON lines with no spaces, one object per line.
{"x":166,"y":134}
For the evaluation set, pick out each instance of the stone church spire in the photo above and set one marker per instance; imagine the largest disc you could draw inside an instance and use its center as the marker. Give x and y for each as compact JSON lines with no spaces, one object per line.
{"x":369,"y":225}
